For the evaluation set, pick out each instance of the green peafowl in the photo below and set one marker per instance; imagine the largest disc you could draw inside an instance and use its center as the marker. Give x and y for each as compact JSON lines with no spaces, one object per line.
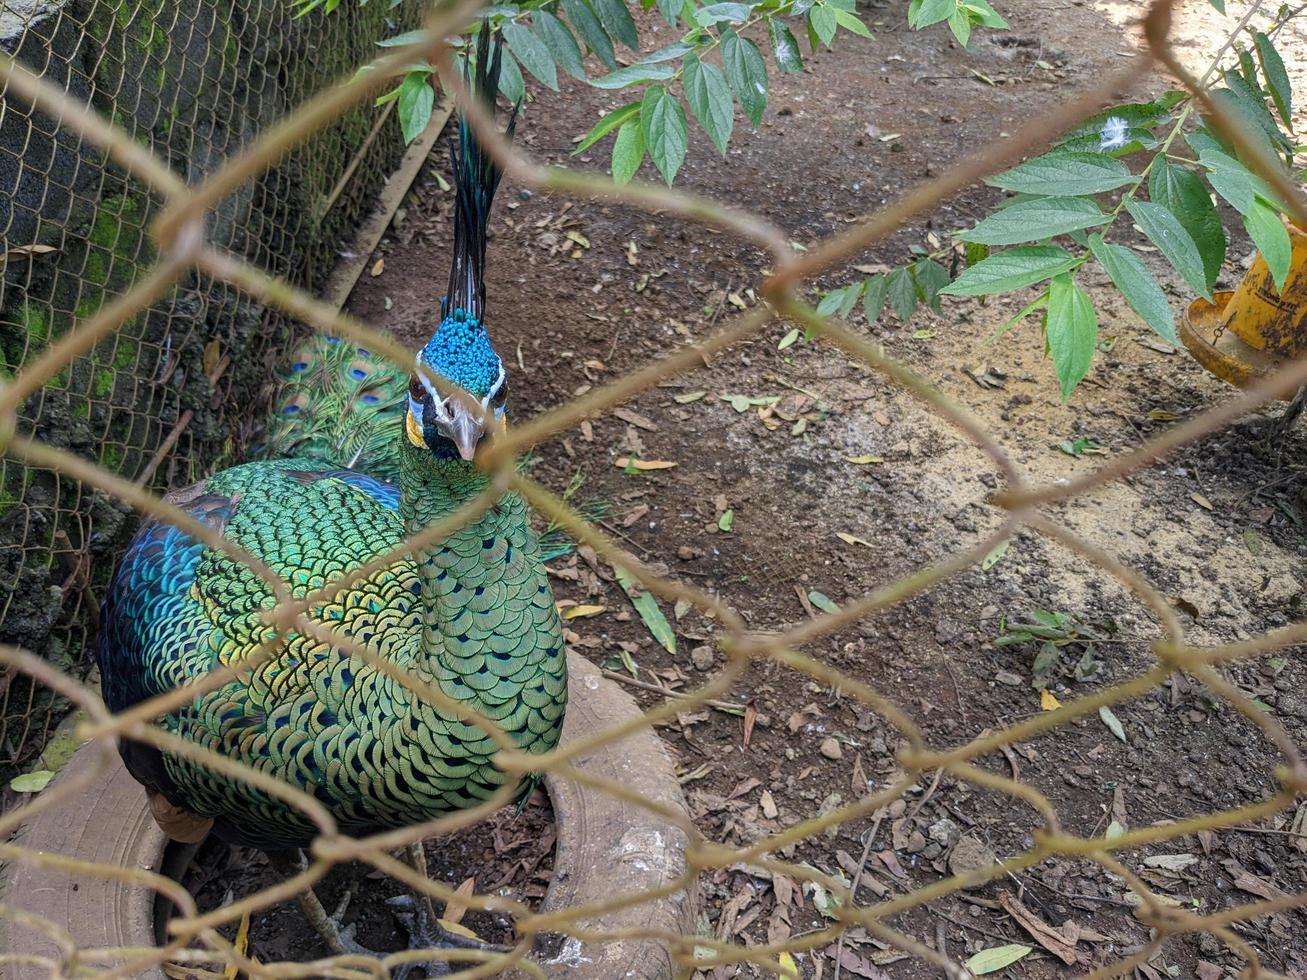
{"x":364,"y":455}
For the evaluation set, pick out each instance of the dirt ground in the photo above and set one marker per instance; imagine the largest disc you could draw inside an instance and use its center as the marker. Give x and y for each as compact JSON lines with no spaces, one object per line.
{"x":579,"y":293}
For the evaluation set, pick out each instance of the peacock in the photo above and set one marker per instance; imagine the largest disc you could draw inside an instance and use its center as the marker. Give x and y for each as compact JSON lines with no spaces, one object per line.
{"x":359,"y":455}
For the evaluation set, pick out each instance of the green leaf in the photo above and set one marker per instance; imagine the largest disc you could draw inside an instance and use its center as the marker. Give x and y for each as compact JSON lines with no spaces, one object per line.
{"x":647,"y":606}
{"x":1218,"y":4}
{"x":1277,"y":79}
{"x":993,"y":960}
{"x":628,"y":150}
{"x":1239,"y":99}
{"x":710,"y":100}
{"x":1137,"y":285}
{"x":1012,"y":269}
{"x":1072,"y":329}
{"x":606,"y":125}
{"x":1181,"y":192}
{"x":930,"y":12}
{"x":717,"y":13}
{"x":558,"y":39}
{"x":510,"y":79}
{"x":822,"y":601}
{"x":1029,"y":221}
{"x":1234,"y":184}
{"x":823,"y":24}
{"x":726,"y":521}
{"x":850,"y":299}
{"x":788,"y":340}
{"x":784,"y":47}
{"x":985,"y":15}
{"x":31,"y":782}
{"x":851,"y":23}
{"x":582,"y":17}
{"x":669,"y":53}
{"x":931,"y":278}
{"x":416,"y":100}
{"x":902,"y":292}
{"x":1165,"y":231}
{"x":400,"y":40}
{"x":1064,"y":174}
{"x":662,"y":121}
{"x":1112,"y":722}
{"x":874,"y":292}
{"x":831,"y":301}
{"x":670,"y":9}
{"x":531,"y":52}
{"x":617,"y":21}
{"x":960,"y":24}
{"x":634,"y":75}
{"x":1271,"y":238}
{"x":747,"y":73}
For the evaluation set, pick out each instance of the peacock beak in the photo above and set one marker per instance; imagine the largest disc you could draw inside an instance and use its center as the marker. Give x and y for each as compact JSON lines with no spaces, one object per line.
{"x":467,"y":427}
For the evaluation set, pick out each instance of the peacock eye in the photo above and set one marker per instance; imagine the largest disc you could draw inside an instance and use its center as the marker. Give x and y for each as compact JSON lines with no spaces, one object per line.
{"x":415,"y":389}
{"x":500,"y":397}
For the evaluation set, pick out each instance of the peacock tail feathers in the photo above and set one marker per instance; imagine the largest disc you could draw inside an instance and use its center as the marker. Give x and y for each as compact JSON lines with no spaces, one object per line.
{"x":341,"y":404}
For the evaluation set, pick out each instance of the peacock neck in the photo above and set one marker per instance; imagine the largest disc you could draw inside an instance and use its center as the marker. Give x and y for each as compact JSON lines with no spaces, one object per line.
{"x":465,"y":578}
{"x":451,"y":569}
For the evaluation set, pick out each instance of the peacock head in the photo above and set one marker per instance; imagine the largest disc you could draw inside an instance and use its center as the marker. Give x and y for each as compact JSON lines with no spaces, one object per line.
{"x":454,"y":424}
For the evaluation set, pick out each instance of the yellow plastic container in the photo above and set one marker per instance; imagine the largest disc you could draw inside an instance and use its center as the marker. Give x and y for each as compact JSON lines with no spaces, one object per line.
{"x":1247,"y":334}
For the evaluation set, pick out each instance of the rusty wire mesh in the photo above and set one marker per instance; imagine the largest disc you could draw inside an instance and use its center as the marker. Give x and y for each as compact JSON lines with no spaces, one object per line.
{"x":184,"y":247}
{"x":153,"y":402}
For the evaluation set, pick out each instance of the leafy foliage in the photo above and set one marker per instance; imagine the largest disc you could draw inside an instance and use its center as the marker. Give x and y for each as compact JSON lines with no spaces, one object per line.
{"x":1064,"y":646}
{"x":715,"y":64}
{"x":1071,"y":200}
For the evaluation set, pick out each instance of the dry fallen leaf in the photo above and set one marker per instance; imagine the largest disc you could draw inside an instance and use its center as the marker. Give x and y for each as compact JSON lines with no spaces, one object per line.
{"x":636,"y":419}
{"x":864,"y":460}
{"x":768,"y":805}
{"x":1171,"y":862}
{"x":1201,"y":501}
{"x":1052,"y":939}
{"x":378,"y":266}
{"x":852,"y":539}
{"x":583,"y":612}
{"x":622,"y":462}
{"x":1048,"y":702}
{"x":455,"y":909}
{"x":19,"y":251}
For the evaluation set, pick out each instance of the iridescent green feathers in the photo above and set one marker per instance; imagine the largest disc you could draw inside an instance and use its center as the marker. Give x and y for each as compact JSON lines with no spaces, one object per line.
{"x":340,"y":404}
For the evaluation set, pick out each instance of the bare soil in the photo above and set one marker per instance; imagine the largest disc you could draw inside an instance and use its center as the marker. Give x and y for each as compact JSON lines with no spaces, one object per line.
{"x":580,"y":293}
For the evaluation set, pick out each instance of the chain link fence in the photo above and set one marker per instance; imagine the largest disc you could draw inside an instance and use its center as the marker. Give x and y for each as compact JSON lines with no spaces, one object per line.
{"x":182,"y":217}
{"x":174,"y":387}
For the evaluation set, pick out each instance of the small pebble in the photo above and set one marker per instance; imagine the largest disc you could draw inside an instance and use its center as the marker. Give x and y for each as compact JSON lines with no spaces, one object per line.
{"x":831,"y":749}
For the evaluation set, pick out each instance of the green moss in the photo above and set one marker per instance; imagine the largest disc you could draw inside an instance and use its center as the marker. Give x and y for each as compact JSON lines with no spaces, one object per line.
{"x":97,"y":268}
{"x":36,"y":323}
{"x":125,"y":355}
{"x":112,"y":457}
{"x":102,"y":382}
{"x":81,"y":409}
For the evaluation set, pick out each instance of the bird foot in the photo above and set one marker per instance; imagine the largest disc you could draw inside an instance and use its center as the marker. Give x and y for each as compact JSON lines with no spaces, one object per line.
{"x":426,"y":932}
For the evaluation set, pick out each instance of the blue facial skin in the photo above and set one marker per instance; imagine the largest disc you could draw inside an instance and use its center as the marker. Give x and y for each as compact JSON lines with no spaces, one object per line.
{"x":461,"y":352}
